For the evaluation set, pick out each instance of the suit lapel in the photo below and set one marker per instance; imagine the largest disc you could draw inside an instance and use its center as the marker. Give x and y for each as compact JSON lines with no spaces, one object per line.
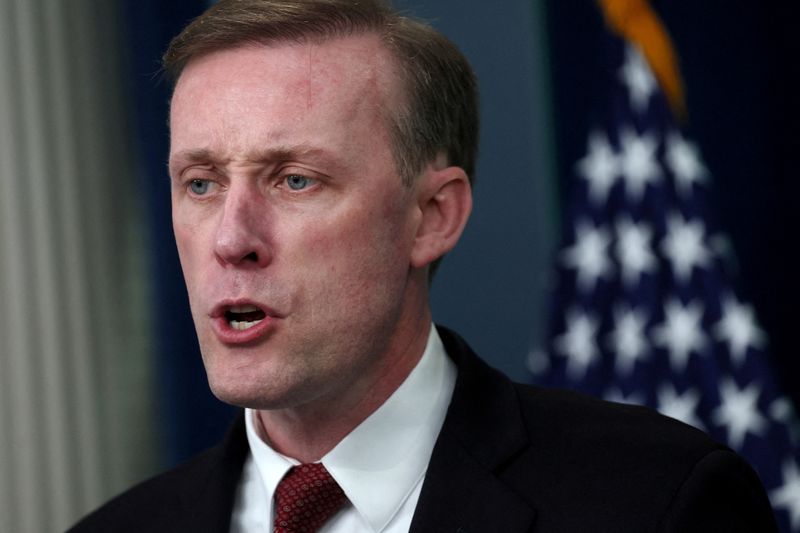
{"x":460,"y":495}
{"x":483,"y":431}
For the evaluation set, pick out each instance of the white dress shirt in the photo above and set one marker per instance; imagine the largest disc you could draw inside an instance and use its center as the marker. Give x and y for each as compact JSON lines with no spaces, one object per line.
{"x":380,"y":465}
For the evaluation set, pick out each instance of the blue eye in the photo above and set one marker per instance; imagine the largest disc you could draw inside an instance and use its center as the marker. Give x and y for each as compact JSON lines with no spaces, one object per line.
{"x":199,"y":187}
{"x":297,"y":182}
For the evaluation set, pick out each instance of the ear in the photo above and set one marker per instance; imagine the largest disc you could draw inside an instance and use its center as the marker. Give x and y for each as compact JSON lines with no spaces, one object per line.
{"x":445,"y":202}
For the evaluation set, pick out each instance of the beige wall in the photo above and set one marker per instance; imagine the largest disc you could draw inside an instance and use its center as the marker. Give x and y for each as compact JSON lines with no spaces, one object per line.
{"x":74,"y":369}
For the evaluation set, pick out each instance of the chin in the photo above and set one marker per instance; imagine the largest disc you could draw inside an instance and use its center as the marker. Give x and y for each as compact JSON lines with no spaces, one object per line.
{"x":254,"y":390}
{"x":241,"y":395}
{"x":232,"y":379}
{"x":235,"y":386}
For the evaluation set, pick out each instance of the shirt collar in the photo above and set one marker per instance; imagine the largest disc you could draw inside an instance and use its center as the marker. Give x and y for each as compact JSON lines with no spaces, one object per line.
{"x":382,"y":460}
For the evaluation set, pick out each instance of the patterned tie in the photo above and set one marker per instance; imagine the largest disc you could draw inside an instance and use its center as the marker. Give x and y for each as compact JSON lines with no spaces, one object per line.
{"x":305,"y":498}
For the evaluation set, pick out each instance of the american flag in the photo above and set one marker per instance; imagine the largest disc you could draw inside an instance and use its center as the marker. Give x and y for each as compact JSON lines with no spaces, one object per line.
{"x":644,"y":312}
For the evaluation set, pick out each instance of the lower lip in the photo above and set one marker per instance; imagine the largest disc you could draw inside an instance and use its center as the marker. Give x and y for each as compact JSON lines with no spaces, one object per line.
{"x":227,"y":335}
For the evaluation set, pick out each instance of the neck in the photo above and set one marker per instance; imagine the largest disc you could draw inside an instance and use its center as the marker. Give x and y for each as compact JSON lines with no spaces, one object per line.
{"x":308,"y":432}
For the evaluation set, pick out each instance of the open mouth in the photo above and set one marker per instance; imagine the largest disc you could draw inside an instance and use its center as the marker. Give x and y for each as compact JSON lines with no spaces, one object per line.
{"x":243,"y":317}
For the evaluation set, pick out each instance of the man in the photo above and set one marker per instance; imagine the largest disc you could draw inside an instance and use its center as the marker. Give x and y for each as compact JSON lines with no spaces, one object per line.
{"x":321,"y":157}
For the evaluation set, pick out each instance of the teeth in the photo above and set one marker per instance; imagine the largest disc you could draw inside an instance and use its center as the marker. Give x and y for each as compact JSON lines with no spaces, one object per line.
{"x":242,"y":325}
{"x":243,"y":308}
{"x":243,"y":317}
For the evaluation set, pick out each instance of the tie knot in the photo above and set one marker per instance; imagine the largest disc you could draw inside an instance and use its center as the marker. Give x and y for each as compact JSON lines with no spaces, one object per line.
{"x":305,"y":498}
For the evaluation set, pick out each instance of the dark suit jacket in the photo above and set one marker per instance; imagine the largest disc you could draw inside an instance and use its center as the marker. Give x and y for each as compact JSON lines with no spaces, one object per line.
{"x":510,"y":459}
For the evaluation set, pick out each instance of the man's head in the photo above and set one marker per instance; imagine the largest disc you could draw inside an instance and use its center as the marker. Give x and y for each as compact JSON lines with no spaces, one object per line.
{"x":304,"y":236}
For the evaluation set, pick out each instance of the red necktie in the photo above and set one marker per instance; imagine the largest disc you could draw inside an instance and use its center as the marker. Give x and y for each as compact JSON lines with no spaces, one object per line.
{"x":305,"y":498}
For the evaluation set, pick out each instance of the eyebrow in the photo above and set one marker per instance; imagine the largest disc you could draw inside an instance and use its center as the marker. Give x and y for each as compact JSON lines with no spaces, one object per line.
{"x":280,"y":153}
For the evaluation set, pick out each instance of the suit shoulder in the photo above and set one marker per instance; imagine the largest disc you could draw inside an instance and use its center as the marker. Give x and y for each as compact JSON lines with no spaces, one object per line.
{"x":152,"y":504}
{"x":588,"y":465}
{"x":565,"y":414}
{"x":199,"y":491}
{"x":635,"y":462}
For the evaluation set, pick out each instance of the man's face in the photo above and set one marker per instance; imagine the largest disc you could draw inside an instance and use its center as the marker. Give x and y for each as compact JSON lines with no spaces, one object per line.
{"x":293,"y":226}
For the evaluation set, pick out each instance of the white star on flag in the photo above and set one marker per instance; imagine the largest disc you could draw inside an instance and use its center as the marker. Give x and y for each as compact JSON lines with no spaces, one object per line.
{"x":738,"y":328}
{"x":681,"y":333}
{"x":628,"y":340}
{"x":639,"y":166}
{"x":589,"y":255}
{"x":683,"y":159}
{"x":738,"y":410}
{"x":681,"y":407}
{"x":684,"y":246}
{"x":788,"y":495}
{"x":578,"y":343}
{"x":636,"y":75}
{"x":600,"y":167}
{"x":633,"y":250}
{"x":783,"y":411}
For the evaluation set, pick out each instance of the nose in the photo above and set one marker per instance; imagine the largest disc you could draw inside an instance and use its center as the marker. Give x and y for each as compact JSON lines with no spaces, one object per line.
{"x":242,"y":237}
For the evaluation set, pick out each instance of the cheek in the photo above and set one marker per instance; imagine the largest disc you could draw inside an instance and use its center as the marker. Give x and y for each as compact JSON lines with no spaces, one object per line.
{"x":364,"y":245}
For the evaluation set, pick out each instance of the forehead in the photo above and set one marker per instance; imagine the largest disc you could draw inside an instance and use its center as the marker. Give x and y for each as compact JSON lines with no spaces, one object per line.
{"x":362,"y":55}
{"x":349,"y":77}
